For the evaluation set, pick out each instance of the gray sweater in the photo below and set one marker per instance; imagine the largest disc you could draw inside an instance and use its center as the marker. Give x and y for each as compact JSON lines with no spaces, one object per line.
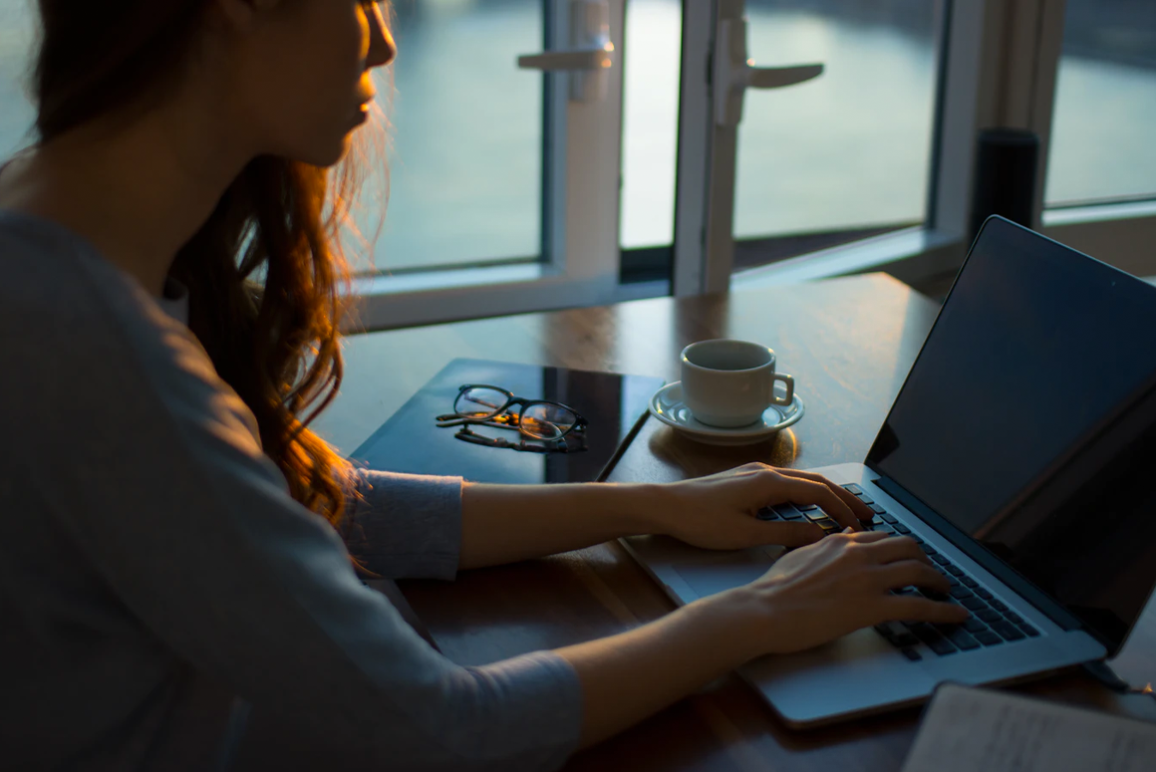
{"x":164,"y":602}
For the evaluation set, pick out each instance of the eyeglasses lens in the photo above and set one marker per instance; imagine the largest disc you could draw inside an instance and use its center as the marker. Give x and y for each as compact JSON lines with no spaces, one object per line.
{"x":479,"y":403}
{"x":547,"y":422}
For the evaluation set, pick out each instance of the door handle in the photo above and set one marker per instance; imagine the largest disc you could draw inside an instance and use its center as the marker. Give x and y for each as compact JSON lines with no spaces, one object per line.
{"x":733,"y":73}
{"x":590,"y":55}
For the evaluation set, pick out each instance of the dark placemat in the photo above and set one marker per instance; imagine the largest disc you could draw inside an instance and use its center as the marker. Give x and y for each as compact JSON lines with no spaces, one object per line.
{"x":410,"y":441}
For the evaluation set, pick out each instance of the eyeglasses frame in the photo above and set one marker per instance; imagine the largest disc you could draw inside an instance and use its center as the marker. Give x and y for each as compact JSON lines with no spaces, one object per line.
{"x":457,"y":419}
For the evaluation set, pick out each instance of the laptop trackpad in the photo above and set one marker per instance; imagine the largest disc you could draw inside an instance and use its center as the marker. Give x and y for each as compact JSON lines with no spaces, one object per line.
{"x":725,"y":571}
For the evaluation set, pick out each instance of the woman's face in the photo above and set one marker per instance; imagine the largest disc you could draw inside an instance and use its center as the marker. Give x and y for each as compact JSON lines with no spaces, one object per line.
{"x":303,"y":73}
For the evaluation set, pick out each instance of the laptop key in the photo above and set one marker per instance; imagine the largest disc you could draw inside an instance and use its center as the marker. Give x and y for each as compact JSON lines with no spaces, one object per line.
{"x":902,"y":528}
{"x":968,"y":581}
{"x":879,"y":510}
{"x":766,"y":513}
{"x":866,"y":499}
{"x":1013,"y":616}
{"x":988,"y":615}
{"x":973,"y":625}
{"x":1008,"y":631}
{"x":816,"y":514}
{"x":897,"y":634}
{"x":954,"y":570}
{"x":853,"y":488}
{"x":988,"y":638}
{"x":1031,"y":631}
{"x":973,"y":604}
{"x":911,"y":653}
{"x":942,"y":647}
{"x":928,"y":549}
{"x":998,"y":605}
{"x":930,"y":636}
{"x":940,"y":559}
{"x":981,"y":592}
{"x":915,"y":538}
{"x":943,"y":572}
{"x":806,"y":507}
{"x":963,"y":640}
{"x":887,"y":518}
{"x":961,"y":592}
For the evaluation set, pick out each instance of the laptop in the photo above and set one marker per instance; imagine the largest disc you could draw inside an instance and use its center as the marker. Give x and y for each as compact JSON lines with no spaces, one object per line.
{"x":1020,"y":453}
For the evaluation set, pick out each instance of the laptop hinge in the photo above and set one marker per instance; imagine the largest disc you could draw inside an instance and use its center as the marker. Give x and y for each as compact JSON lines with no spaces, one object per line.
{"x":980,"y":554}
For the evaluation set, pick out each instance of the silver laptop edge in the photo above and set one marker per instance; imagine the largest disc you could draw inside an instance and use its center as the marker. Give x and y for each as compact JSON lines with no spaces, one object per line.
{"x":863,"y":673}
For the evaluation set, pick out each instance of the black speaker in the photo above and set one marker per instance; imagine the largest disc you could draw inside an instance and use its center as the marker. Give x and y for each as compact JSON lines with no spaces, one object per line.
{"x":1006,"y":161}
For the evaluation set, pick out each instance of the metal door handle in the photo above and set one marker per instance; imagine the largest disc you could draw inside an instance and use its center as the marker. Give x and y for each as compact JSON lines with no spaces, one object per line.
{"x":590,"y":55}
{"x":734,"y":73}
{"x":585,"y":59}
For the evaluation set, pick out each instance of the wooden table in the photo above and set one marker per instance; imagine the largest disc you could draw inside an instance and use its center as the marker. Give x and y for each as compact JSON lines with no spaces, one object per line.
{"x":848,"y":342}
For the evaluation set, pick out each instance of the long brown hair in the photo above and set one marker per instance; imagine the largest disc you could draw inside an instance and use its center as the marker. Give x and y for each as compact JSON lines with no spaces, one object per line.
{"x":267,"y":275}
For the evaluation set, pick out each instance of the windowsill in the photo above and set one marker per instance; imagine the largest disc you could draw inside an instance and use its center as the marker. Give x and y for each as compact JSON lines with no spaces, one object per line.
{"x":456,"y":278}
{"x":1074,"y":215}
{"x":857,"y":257}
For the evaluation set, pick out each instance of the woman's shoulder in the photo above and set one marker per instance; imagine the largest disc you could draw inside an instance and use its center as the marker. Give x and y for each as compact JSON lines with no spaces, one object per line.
{"x":50,"y":274}
{"x":69,"y":309}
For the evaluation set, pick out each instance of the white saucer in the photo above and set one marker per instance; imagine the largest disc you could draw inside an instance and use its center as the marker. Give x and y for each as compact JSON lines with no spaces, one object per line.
{"x":667,"y":406}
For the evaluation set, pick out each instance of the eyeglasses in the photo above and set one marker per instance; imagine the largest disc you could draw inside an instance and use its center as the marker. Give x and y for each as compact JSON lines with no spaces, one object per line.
{"x":550,"y":422}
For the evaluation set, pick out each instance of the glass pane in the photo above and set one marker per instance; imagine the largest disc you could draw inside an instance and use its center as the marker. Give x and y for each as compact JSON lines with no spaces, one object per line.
{"x":547,"y":421}
{"x":466,"y":143}
{"x":650,"y":121}
{"x":480,"y":402}
{"x":1101,"y":145}
{"x":850,"y":150}
{"x":16,"y":37}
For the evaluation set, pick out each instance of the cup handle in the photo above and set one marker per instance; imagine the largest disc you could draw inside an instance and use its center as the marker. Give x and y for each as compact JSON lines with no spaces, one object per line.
{"x":790,"y":381}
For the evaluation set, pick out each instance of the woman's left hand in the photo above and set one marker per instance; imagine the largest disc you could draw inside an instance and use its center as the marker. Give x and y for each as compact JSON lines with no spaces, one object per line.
{"x":718,"y":511}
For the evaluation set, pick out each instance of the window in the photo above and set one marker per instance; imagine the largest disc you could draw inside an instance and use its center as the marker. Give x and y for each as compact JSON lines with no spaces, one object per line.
{"x":851,"y":150}
{"x":467,"y":136}
{"x":16,"y":36}
{"x":628,"y":156}
{"x":1102,"y":147}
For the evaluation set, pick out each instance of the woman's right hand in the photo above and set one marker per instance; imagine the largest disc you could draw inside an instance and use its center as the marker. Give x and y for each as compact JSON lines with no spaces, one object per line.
{"x":818,"y":593}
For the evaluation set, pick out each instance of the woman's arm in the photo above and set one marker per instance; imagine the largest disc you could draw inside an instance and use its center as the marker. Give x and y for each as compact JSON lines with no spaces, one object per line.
{"x":507,"y":523}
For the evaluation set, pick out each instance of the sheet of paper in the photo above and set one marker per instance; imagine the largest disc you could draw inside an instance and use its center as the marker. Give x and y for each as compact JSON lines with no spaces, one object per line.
{"x":983,"y":730}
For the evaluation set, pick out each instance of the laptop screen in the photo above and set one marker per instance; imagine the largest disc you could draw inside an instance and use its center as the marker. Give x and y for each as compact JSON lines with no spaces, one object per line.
{"x":1028,"y":421}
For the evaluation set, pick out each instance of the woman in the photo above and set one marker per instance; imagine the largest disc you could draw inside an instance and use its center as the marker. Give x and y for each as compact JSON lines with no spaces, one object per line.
{"x":172,"y":550}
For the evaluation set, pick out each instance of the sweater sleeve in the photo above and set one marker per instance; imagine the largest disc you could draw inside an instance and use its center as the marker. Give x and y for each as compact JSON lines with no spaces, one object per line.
{"x":404,"y":526}
{"x":156,"y":478}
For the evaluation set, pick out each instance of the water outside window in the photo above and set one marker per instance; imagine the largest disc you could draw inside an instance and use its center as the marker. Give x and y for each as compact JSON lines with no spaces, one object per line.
{"x":466,"y":161}
{"x":16,"y":36}
{"x":650,"y":121}
{"x":851,"y":149}
{"x":1102,"y":139}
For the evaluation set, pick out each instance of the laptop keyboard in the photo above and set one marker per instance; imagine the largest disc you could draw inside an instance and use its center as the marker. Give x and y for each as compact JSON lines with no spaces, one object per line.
{"x":992,"y":623}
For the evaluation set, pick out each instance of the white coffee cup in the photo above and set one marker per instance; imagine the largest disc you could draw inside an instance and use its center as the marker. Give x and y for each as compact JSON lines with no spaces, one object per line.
{"x":729,"y":383}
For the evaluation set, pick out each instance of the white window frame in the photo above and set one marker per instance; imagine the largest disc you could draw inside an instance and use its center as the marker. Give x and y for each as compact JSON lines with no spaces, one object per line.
{"x":999,"y":62}
{"x":705,"y":209}
{"x":580,"y":266}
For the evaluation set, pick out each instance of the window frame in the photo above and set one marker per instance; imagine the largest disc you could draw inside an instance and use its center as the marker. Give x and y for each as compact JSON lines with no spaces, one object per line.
{"x":579,"y":263}
{"x":1000,"y":61}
